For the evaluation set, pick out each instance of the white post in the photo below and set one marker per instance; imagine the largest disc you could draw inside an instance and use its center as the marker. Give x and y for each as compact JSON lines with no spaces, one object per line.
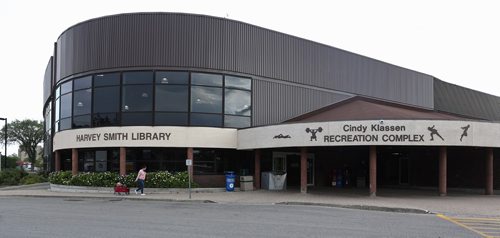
{"x":189,"y":163}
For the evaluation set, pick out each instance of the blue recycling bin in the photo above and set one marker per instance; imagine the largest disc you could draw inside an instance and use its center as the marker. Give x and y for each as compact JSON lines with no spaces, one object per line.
{"x":230,"y":179}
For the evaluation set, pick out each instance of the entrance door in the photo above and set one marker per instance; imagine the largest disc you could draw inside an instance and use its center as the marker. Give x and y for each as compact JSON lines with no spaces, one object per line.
{"x":289,"y":162}
{"x":403,"y":170}
{"x":293,"y":170}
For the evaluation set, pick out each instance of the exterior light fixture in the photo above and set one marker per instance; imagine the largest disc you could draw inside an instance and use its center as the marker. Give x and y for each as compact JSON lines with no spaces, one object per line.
{"x":79,"y":104}
{"x":164,"y":80}
{"x":144,"y":95}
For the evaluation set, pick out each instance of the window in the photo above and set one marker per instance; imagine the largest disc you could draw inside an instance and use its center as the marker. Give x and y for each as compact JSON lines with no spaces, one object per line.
{"x":81,"y":121}
{"x":137,"y":119}
{"x":145,"y":98}
{"x":137,"y":98}
{"x":238,"y":83}
{"x":66,"y":87}
{"x":65,"y":123}
{"x":167,"y":77}
{"x":82,"y":83}
{"x":106,"y":106}
{"x":206,"y":79}
{"x":171,"y":119}
{"x":237,"y":102}
{"x":82,"y":102}
{"x":206,"y":99}
{"x":106,"y":79}
{"x":199,"y":119}
{"x":65,"y":106}
{"x":106,"y":99}
{"x":236,"y":121}
{"x":140,"y":77}
{"x":172,"y":98}
{"x":105,"y":119}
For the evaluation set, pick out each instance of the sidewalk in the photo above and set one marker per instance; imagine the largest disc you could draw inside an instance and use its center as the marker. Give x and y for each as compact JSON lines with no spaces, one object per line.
{"x":393,"y":200}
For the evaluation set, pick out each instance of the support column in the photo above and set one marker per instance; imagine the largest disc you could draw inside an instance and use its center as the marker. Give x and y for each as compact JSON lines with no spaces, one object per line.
{"x":74,"y":161}
{"x":123,"y":161}
{"x":442,"y":170}
{"x":303,"y":170}
{"x":190,"y":157}
{"x":373,"y":171}
{"x":489,"y":172}
{"x":256,"y":178}
{"x":57,"y":160}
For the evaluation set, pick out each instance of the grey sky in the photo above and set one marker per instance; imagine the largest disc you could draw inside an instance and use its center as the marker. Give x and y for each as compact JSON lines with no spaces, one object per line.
{"x":455,"y":41}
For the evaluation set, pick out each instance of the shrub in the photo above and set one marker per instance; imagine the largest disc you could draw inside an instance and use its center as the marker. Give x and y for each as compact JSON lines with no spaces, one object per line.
{"x":163,"y":179}
{"x":32,"y":178}
{"x":60,"y":177}
{"x":11,"y":176}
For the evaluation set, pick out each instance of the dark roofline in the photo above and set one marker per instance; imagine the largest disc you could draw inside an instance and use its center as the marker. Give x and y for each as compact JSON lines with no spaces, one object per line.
{"x":378,"y":101}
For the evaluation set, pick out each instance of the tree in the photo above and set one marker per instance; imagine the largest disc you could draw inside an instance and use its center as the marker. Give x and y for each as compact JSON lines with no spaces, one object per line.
{"x":12,"y":161}
{"x":28,"y":134}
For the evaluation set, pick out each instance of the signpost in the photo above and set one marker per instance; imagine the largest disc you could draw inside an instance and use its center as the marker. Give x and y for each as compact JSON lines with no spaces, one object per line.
{"x":189,"y":163}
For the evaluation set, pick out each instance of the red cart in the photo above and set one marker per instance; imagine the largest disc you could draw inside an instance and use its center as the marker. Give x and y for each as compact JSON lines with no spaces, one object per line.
{"x":121,"y":189}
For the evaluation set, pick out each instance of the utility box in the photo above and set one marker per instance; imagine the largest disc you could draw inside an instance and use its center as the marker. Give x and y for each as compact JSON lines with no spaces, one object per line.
{"x":246,"y":183}
{"x":273,"y":180}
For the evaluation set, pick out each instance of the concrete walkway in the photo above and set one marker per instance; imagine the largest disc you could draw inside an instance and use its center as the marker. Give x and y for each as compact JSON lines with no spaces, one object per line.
{"x":394,"y":200}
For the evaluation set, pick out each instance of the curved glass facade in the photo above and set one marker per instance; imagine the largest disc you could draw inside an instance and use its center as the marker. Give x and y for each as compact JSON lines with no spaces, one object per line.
{"x":154,"y":98}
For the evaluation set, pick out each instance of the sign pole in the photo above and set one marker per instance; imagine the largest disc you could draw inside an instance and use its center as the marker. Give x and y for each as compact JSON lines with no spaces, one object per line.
{"x":189,"y":163}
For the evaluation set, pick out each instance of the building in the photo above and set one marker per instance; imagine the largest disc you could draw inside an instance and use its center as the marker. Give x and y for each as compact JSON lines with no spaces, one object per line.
{"x":159,"y":88}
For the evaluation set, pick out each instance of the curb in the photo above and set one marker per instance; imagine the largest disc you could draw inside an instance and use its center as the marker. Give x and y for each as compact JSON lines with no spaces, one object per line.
{"x":110,"y":190}
{"x":362,"y":207}
{"x":110,"y":198}
{"x":22,"y":186}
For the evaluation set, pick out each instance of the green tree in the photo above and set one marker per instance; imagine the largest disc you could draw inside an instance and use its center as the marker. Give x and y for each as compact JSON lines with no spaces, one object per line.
{"x":12,"y":161}
{"x":28,"y":134}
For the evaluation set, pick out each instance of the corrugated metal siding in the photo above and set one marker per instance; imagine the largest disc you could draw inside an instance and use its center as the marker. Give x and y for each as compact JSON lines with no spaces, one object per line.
{"x":273,"y":102}
{"x":47,"y":81}
{"x":452,"y":98}
{"x":196,"y":41}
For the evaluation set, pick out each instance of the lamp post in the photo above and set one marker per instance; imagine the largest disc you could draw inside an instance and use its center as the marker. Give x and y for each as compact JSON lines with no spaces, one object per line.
{"x":5,"y":143}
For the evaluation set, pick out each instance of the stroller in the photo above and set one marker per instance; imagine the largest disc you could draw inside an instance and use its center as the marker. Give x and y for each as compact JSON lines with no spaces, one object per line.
{"x":121,"y":188}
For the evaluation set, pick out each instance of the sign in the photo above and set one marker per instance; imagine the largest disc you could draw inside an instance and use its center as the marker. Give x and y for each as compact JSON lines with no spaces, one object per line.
{"x":189,"y":162}
{"x":372,"y":132}
{"x":146,"y":136}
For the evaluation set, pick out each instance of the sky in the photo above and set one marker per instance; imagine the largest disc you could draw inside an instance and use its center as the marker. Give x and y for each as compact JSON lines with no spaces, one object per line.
{"x":455,"y":41}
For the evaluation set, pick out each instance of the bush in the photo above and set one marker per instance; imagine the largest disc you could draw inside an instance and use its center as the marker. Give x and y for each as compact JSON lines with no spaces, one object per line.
{"x":60,"y":177}
{"x":32,"y":178}
{"x":163,"y":179}
{"x":11,"y":177}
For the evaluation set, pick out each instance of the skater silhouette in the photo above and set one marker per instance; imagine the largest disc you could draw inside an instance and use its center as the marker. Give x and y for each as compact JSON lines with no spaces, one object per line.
{"x":434,"y":132}
{"x":465,"y":128}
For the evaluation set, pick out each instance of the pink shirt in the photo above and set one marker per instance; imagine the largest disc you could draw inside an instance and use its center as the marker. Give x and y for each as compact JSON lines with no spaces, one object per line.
{"x":141,"y":175}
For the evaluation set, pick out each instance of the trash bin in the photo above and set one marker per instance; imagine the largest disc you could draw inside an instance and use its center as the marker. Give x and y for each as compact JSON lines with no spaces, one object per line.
{"x":230,"y":179}
{"x":246,"y":183}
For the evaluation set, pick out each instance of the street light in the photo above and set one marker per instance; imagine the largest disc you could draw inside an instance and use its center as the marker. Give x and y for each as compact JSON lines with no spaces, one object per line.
{"x":5,"y":155}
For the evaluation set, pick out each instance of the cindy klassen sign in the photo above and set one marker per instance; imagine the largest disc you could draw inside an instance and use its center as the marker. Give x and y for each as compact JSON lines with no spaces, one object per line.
{"x":372,"y":132}
{"x":391,"y":132}
{"x":366,"y":133}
